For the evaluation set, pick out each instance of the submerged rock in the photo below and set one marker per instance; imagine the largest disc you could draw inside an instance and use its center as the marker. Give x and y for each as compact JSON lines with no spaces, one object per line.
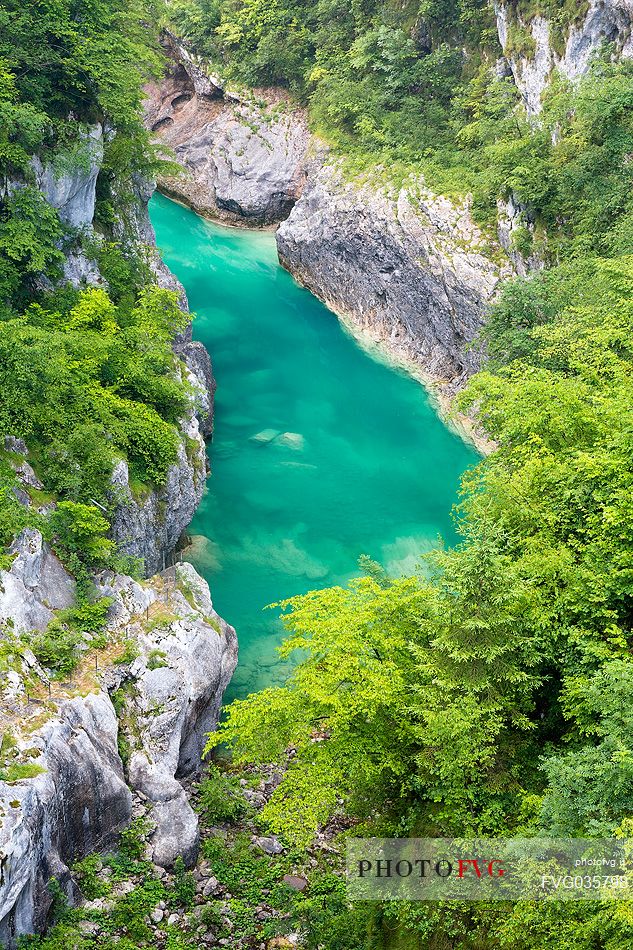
{"x":265,"y":436}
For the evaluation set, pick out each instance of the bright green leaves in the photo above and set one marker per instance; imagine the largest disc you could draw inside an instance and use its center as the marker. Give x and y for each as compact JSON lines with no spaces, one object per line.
{"x":344,"y":708}
{"x":82,"y":530}
{"x":404,"y":691}
{"x":29,"y":235}
{"x":93,"y":311}
{"x":87,"y":382}
{"x":87,"y":57}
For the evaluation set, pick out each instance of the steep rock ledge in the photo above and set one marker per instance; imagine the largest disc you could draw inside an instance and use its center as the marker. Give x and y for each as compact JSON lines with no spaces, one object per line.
{"x":78,"y":803}
{"x":243,"y":160}
{"x":535,"y":55}
{"x":148,"y":527}
{"x":408,"y":270}
{"x":76,"y":799}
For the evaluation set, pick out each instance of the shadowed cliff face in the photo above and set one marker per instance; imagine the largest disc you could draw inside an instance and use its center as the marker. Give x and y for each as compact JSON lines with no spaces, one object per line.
{"x":242,"y":161}
{"x":405,"y":269}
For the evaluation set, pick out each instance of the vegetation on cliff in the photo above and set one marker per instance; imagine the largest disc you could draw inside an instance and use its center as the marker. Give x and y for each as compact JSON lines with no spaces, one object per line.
{"x":488,"y":694}
{"x":89,"y":375}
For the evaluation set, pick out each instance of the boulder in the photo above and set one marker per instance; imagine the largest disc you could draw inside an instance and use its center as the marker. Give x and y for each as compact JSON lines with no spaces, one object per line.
{"x":35,"y":585}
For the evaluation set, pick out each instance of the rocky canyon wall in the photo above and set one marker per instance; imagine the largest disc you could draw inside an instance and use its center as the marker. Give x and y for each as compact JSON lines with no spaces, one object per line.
{"x":243,"y":159}
{"x":78,"y":759}
{"x":535,"y":47}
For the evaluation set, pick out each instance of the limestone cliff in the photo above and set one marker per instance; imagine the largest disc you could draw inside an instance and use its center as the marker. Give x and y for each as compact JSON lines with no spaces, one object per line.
{"x":147,"y":527}
{"x":170,"y":695}
{"x":534,"y":48}
{"x":407,"y":268}
{"x":71,"y":796}
{"x":70,"y":771}
{"x":243,"y":159}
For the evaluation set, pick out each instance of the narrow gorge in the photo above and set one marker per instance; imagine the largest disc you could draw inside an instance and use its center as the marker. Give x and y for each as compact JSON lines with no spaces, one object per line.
{"x":316,"y":327}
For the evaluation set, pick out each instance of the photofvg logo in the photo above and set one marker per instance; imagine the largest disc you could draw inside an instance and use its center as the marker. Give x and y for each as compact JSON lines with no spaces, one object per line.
{"x":489,"y":869}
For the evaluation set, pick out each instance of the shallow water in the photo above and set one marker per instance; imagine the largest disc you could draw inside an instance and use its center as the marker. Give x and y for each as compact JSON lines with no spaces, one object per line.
{"x":321,"y":453}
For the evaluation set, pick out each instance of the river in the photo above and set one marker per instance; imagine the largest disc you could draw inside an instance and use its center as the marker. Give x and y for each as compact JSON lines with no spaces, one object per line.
{"x":321,"y":453}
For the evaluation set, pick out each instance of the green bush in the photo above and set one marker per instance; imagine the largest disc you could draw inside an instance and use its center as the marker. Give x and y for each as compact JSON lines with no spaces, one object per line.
{"x":218,"y":797}
{"x":184,"y":886}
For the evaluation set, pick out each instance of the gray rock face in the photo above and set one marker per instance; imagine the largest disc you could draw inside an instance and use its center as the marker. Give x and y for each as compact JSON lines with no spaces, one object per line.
{"x":77,"y":804}
{"x":35,"y":585}
{"x":173,"y":693}
{"x":604,"y":21}
{"x":150,"y":527}
{"x":70,"y":186}
{"x":407,"y":270}
{"x":79,"y":801}
{"x":200,"y":375}
{"x":244,"y":162}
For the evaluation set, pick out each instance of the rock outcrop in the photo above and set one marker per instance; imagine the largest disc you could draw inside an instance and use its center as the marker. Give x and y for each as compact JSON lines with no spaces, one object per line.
{"x":76,"y":804}
{"x":35,"y":585}
{"x":171,"y":694}
{"x":537,"y":55}
{"x":69,"y":184}
{"x":73,"y":796}
{"x":149,"y":525}
{"x":408,"y":270}
{"x":243,"y":160}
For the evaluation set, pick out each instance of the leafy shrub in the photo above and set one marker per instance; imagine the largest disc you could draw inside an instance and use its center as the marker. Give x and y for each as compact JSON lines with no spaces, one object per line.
{"x":184,"y":887}
{"x":218,"y":797}
{"x":87,"y":873}
{"x":57,"y":648}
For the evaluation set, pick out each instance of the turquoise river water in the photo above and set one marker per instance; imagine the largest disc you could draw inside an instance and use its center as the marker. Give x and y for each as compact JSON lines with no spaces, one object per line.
{"x":321,"y":452}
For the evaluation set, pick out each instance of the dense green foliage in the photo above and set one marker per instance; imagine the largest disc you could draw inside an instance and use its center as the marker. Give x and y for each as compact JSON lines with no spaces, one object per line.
{"x":87,"y":381}
{"x":489,"y":693}
{"x":63,"y":67}
{"x":485,"y":695}
{"x":88,"y":377}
